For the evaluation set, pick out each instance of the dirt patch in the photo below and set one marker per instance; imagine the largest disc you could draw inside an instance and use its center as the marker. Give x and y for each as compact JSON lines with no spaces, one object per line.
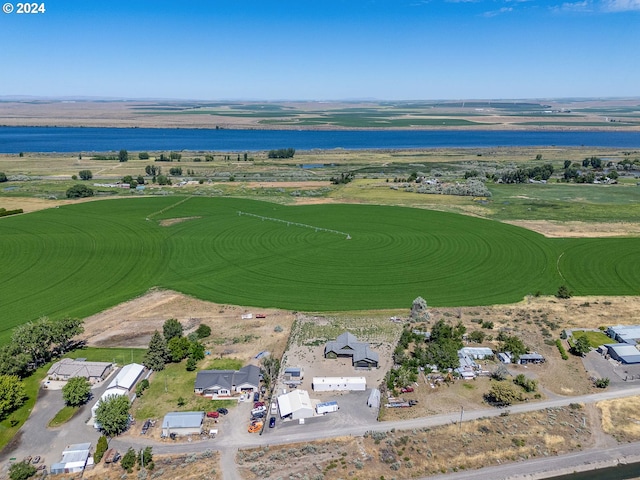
{"x":172,"y":221}
{"x":553,"y":229}
{"x":132,"y":323}
{"x":205,"y":465}
{"x":423,"y":452}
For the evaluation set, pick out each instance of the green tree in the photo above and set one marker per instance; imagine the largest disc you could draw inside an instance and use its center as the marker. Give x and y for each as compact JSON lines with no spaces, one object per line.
{"x":163,"y":180}
{"x":443,"y":353}
{"x":191,"y":364}
{"x":175,"y":171}
{"x":529,"y":385}
{"x":270,"y":370}
{"x":503,"y":394}
{"x":85,"y":174}
{"x":21,"y":471}
{"x":172,"y":328}
{"x":203,"y":331}
{"x":196,"y":351}
{"x":157,"y":354}
{"x":13,"y":361}
{"x":79,"y":191}
{"x":477,"y":336}
{"x":76,"y":392}
{"x":101,"y":447}
{"x":178,"y":348}
{"x":581,"y":346}
{"x":34,"y":339}
{"x":602,"y":382}
{"x":12,"y":394}
{"x":3,"y":177}
{"x":143,"y":156}
{"x":145,"y":458}
{"x":123,"y":155}
{"x":513,"y":344}
{"x":129,"y":460}
{"x":140,"y":180}
{"x":141,"y":387}
{"x":63,"y":331}
{"x":113,"y":414}
{"x":563,"y":292}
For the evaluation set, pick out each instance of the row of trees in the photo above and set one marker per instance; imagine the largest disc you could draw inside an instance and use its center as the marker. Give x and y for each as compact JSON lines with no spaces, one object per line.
{"x":79,"y":191}
{"x":172,"y":346}
{"x":35,"y":343}
{"x":282,"y":153}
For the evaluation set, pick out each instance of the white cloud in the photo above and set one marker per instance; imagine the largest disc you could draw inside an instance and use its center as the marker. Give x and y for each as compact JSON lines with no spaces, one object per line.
{"x":494,"y":13}
{"x":621,"y":5}
{"x":583,"y":6}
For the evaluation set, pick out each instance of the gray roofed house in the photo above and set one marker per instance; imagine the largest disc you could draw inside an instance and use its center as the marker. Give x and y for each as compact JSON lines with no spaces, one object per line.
{"x":531,"y":358}
{"x":623,"y":352}
{"x":182,"y":423}
{"x":347,"y":345}
{"x":68,"y":368}
{"x":226,"y":383}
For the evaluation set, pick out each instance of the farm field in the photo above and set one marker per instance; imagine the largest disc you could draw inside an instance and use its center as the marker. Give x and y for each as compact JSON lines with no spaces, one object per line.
{"x":80,"y":259}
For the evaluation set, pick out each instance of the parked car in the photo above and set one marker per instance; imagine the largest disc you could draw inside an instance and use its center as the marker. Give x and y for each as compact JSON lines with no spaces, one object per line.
{"x":36,"y":459}
{"x":258,"y":415}
{"x":213,"y":414}
{"x":256,"y":396}
{"x":259,"y":409}
{"x":272,"y":422}
{"x":406,"y":389}
{"x":42,"y":466}
{"x":258,"y":404}
{"x":222,"y":411}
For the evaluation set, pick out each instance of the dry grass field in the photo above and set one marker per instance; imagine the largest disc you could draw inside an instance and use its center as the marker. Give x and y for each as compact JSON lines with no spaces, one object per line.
{"x":621,"y":418}
{"x":422,"y":452}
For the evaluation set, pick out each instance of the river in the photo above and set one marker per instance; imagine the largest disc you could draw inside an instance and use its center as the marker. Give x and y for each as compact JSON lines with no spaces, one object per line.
{"x":93,"y":139}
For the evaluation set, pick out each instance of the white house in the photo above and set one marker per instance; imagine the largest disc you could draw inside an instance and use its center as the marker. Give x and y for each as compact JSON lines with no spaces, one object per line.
{"x":295,"y":404}
{"x":340,"y":384}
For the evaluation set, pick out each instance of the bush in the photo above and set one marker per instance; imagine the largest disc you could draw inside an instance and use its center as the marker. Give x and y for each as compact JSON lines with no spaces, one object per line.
{"x":563,"y":352}
{"x":85,"y":174}
{"x":21,"y":471}
{"x":79,"y":191}
{"x":203,"y":331}
{"x":3,"y":177}
{"x":563,"y":292}
{"x":143,"y":156}
{"x":602,"y":382}
{"x":101,"y":447}
{"x":527,"y":384}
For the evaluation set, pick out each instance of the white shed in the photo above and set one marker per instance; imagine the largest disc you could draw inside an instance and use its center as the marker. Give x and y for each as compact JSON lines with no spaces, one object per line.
{"x":295,"y":404}
{"x":341,"y":384}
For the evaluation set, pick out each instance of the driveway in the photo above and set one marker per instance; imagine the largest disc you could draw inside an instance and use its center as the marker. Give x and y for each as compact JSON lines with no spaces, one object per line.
{"x":35,"y":438}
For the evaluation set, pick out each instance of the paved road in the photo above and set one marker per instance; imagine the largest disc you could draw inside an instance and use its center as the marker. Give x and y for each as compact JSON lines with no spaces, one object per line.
{"x":228,"y":445}
{"x":35,"y":439}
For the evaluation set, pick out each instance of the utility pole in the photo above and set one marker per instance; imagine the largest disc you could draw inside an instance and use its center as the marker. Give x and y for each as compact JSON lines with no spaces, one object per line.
{"x":461,"y":412}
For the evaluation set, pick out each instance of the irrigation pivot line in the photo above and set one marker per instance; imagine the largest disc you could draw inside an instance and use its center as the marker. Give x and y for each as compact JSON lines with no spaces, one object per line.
{"x":296,"y":224}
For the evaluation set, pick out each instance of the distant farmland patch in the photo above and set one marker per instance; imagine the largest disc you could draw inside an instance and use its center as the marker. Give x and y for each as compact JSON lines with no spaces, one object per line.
{"x":80,"y":259}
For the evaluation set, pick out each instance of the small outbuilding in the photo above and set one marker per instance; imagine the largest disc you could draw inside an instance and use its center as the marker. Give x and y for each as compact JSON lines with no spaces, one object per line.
{"x":339,"y":384}
{"x":374,"y":398}
{"x":477,"y":353}
{"x":295,"y":405}
{"x":75,"y":459}
{"x":182,"y":423}
{"x":327,"y":407}
{"x":625,"y":333}
{"x":624,"y":353}
{"x":531,"y":358}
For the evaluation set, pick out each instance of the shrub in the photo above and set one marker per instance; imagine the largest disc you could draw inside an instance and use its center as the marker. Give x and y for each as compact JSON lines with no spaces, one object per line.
{"x":203,"y":331}
{"x":129,"y":460}
{"x":79,"y":191}
{"x":602,"y":382}
{"x":563,"y":292}
{"x":563,"y":352}
{"x":85,"y":174}
{"x":143,"y":156}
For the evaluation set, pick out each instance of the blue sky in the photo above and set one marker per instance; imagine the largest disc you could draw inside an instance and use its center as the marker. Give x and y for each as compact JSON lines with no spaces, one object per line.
{"x":323,"y":49}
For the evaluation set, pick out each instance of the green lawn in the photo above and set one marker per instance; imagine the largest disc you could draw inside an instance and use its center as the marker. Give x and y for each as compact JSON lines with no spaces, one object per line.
{"x":80,"y":259}
{"x":121,"y":356}
{"x":595,"y":338}
{"x":174,"y":382}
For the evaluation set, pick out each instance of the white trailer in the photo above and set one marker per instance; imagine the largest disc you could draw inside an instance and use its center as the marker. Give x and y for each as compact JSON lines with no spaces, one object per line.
{"x":327,"y":407}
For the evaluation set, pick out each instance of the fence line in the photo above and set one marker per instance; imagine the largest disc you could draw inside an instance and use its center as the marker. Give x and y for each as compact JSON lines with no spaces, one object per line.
{"x":296,"y":224}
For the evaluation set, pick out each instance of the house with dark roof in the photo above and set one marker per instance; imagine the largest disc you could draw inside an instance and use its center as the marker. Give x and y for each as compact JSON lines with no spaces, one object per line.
{"x":347,"y":345}
{"x":226,"y":383}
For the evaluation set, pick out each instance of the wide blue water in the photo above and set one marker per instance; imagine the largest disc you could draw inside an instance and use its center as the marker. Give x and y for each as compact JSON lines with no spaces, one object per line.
{"x":77,"y":139}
